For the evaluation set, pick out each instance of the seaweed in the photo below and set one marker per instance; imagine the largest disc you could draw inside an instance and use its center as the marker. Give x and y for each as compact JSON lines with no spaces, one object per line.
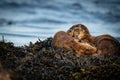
{"x":41,"y":61}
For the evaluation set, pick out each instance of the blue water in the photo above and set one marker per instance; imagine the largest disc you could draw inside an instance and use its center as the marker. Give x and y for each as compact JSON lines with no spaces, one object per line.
{"x":22,"y":21}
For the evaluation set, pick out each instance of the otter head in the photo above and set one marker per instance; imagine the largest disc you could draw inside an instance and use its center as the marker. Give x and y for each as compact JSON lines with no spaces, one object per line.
{"x":78,"y":31}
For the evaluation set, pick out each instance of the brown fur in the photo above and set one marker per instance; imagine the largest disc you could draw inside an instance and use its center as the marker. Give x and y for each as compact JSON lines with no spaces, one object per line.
{"x":81,"y":33}
{"x":84,"y":49}
{"x":105,"y":44}
{"x":63,"y":40}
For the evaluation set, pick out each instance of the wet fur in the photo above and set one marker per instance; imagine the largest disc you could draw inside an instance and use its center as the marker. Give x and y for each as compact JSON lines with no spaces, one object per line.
{"x":63,"y":40}
{"x":105,"y":44}
{"x":81,"y":33}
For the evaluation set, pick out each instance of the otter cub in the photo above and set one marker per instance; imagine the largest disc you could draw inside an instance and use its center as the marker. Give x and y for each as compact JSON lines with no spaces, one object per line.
{"x":81,"y":33}
{"x":105,"y":44}
{"x":63,"y":40}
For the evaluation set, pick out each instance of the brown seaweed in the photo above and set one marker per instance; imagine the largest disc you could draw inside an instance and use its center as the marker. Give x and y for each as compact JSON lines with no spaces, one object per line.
{"x":40,"y":61}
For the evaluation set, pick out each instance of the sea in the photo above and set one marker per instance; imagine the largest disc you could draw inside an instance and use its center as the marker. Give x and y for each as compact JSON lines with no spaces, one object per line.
{"x":24,"y":21}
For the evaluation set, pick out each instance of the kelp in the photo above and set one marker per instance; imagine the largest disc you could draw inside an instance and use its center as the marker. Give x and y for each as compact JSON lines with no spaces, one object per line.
{"x":41,"y":61}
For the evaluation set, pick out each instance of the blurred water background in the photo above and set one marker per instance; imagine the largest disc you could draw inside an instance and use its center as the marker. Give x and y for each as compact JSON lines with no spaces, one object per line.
{"x":22,"y":21}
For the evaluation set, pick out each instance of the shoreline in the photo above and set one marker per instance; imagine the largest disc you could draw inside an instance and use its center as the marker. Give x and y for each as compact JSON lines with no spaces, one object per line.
{"x":3,"y":38}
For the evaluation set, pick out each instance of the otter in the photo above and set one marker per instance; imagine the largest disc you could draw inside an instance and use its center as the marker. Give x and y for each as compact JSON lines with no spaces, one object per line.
{"x":63,"y":40}
{"x":81,"y":33}
{"x":105,"y":44}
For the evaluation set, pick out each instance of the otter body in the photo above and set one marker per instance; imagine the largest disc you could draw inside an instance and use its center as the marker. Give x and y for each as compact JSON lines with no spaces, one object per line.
{"x":105,"y":44}
{"x":63,"y":40}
